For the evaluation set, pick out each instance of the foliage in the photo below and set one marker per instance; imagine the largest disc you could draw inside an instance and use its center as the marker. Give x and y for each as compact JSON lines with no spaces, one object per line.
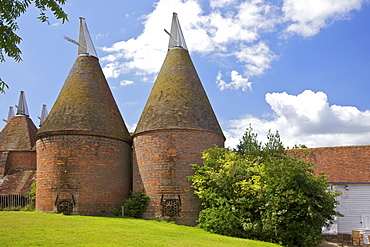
{"x":45,"y":229}
{"x":259,"y":192}
{"x":135,"y":205}
{"x":32,"y":191}
{"x":19,"y":208}
{"x":10,"y":10}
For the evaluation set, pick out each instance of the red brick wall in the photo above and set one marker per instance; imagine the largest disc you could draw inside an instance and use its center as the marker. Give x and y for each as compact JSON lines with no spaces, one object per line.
{"x":18,"y":169}
{"x":22,"y":160}
{"x":95,"y":170}
{"x":348,"y":164}
{"x":161,"y":166}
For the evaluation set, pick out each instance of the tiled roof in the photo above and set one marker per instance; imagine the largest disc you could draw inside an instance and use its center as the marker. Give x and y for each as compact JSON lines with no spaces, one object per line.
{"x":85,"y":105}
{"x":178,"y":99}
{"x":347,"y":164}
{"x":18,"y":134}
{"x":17,"y":181}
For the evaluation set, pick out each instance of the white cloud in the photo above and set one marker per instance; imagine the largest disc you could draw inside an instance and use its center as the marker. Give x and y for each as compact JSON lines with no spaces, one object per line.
{"x":215,"y":32}
{"x":100,"y":35}
{"x":257,"y":58}
{"x":111,"y":70}
{"x":307,"y":119}
{"x":233,"y":30}
{"x":130,"y":103}
{"x":55,"y":24}
{"x":307,"y":18}
{"x":131,"y":127}
{"x":125,"y":83}
{"x":237,"y":82}
{"x":145,"y":54}
{"x":220,"y":3}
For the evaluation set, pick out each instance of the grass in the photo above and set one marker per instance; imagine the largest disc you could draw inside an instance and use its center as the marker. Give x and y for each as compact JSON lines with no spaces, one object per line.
{"x":42,"y":229}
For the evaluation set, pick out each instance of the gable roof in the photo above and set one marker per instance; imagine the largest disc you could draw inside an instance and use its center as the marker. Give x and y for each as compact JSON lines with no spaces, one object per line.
{"x":347,"y":164}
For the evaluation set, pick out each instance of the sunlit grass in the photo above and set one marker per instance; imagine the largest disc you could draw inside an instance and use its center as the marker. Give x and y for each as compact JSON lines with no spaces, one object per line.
{"x":41,"y":229}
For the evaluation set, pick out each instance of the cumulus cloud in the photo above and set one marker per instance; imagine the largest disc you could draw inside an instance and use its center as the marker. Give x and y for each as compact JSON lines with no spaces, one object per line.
{"x":306,"y":118}
{"x":131,"y":127}
{"x":145,"y":53}
{"x":307,"y":18}
{"x":233,"y":30}
{"x":125,"y":83}
{"x":257,"y":58}
{"x":220,"y":3}
{"x":216,"y":32}
{"x":237,"y":81}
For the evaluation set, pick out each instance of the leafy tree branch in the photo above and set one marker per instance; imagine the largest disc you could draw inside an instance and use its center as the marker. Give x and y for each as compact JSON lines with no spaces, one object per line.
{"x":10,"y":11}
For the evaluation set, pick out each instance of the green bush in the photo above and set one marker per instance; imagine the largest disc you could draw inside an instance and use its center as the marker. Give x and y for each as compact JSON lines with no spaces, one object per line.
{"x":259,"y":192}
{"x":135,"y":205}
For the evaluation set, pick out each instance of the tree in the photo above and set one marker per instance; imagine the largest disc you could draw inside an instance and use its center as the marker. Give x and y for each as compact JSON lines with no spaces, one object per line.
{"x":259,"y":192}
{"x":10,"y":10}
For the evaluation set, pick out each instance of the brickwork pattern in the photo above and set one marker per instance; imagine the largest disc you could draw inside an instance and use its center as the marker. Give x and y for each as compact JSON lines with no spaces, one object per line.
{"x":25,"y":160}
{"x":93,"y":172}
{"x":161,"y":166}
{"x":347,"y":164}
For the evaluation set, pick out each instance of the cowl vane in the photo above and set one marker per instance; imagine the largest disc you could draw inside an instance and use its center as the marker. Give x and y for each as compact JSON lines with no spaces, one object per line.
{"x":177,"y":39}
{"x":22,"y":108}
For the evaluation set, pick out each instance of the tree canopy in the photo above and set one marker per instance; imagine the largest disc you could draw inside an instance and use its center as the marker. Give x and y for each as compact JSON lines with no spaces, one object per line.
{"x":10,"y":10}
{"x":259,"y":192}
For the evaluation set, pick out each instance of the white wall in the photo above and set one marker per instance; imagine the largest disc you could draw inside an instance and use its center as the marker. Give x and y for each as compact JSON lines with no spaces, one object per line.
{"x":355,"y":206}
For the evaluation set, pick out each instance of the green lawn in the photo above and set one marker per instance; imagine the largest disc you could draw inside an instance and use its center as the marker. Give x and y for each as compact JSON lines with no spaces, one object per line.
{"x":41,"y":229}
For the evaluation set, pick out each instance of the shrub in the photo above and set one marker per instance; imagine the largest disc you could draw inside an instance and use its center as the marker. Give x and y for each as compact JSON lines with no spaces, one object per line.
{"x":135,"y":205}
{"x":259,"y":192}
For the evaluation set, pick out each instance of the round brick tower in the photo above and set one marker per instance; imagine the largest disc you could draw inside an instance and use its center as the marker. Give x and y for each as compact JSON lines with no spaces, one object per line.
{"x":83,"y":147}
{"x":176,"y":125}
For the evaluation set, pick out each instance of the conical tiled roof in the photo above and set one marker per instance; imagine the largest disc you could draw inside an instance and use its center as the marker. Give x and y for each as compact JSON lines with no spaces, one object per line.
{"x":178,"y":99}
{"x":18,"y":134}
{"x":85,"y":105}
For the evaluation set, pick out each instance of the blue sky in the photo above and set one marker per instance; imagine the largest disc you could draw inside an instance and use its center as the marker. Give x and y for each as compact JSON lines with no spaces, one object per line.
{"x":298,"y":66}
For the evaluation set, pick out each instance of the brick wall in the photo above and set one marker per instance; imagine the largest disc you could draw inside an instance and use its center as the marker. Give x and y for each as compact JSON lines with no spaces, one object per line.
{"x":161,"y":166}
{"x":22,"y":160}
{"x":18,"y":169}
{"x":347,"y":164}
{"x":94,"y":172}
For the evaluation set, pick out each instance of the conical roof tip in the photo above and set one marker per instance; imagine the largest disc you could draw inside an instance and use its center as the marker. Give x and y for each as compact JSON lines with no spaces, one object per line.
{"x":86,"y":46}
{"x":10,"y":113}
{"x":44,"y":114}
{"x":177,"y":39}
{"x":22,"y":108}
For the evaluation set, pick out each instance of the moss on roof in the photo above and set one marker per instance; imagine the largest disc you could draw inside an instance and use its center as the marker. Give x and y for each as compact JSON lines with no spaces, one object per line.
{"x":178,"y":99}
{"x":18,"y":134}
{"x":85,"y":105}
